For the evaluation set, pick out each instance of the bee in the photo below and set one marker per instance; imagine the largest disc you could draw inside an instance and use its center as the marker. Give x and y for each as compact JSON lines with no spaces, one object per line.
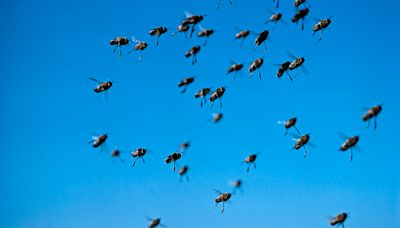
{"x":237,"y":185}
{"x":102,"y":86}
{"x":193,"y":52}
{"x":242,"y":35}
{"x":205,"y":33}
{"x":173,"y":158}
{"x":339,"y":219}
{"x":183,"y":172}
{"x":372,"y":113}
{"x":203,"y":94}
{"x":98,"y":140}
{"x":139,"y":46}
{"x":301,"y":143}
{"x":289,"y":124}
{"x":296,"y":63}
{"x":250,"y":160}
{"x":284,"y":67}
{"x":300,"y":15}
{"x":349,"y":144}
{"x":297,"y":3}
{"x":217,"y":117}
{"x":184,"y":146}
{"x":321,"y":26}
{"x":274,"y":18}
{"x":119,"y":42}
{"x":158,"y":32}
{"x":234,"y":68}
{"x":219,"y":3}
{"x":185,"y":83}
{"x":222,"y":197}
{"x":116,"y":154}
{"x":261,"y":38}
{"x":256,"y":66}
{"x":217,"y":94}
{"x":182,"y":28}
{"x":192,"y":20}
{"x":138,"y":153}
{"x":155,"y":222}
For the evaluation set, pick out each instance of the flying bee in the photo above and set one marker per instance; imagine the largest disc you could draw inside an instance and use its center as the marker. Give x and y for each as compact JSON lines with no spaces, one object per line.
{"x":296,"y":63}
{"x":119,"y":42}
{"x":184,"y":146}
{"x":173,"y":158}
{"x":203,"y":94}
{"x":217,"y":94}
{"x":321,"y":26}
{"x":256,"y":66}
{"x":297,"y":3}
{"x":261,"y":38}
{"x":301,"y":143}
{"x":139,"y":46}
{"x":300,"y":16}
{"x":98,"y":140}
{"x":182,"y":28}
{"x":339,"y":219}
{"x":234,"y":68}
{"x":193,"y":52}
{"x":250,"y":160}
{"x":237,"y":185}
{"x":274,"y":18}
{"x":349,"y":144}
{"x":102,"y":86}
{"x":183,"y":172}
{"x":155,"y":222}
{"x":138,"y":153}
{"x":219,"y":3}
{"x":242,"y":34}
{"x":217,"y":117}
{"x":205,"y":33}
{"x":283,"y":68}
{"x":158,"y":32}
{"x":192,"y":20}
{"x":289,"y":124}
{"x":117,"y":154}
{"x":222,"y":197}
{"x":185,"y":83}
{"x":372,"y":113}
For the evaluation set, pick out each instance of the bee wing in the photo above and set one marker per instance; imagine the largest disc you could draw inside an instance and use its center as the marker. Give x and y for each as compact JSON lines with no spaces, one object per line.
{"x":93,"y":79}
{"x":296,"y":136}
{"x":312,"y":144}
{"x":217,"y":191}
{"x":281,"y":122}
{"x":187,"y":14}
{"x":343,"y":136}
{"x":291,"y":55}
{"x":201,"y":27}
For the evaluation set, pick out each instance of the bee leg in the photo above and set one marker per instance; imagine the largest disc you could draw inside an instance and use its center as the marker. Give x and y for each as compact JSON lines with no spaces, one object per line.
{"x":134,"y":162}
{"x":120,"y":52}
{"x":291,"y":79}
{"x":185,"y":34}
{"x":322,"y":33}
{"x":191,"y":32}
{"x":223,"y":207}
{"x":375,"y":123}
{"x":158,"y":37}
{"x":140,"y":55}
{"x":115,"y":49}
{"x":351,"y":154}
{"x":174,"y":166}
{"x":302,"y":24}
{"x":251,"y":74}
{"x":254,"y":164}
{"x":220,"y":103}
{"x":248,"y":168}
{"x":286,"y":131}
{"x":205,"y":42}
{"x":184,"y":89}
{"x":297,"y":129}
{"x":259,"y":73}
{"x":305,"y":152}
{"x":201,"y":103}
{"x":142,"y":159}
{"x":277,"y":4}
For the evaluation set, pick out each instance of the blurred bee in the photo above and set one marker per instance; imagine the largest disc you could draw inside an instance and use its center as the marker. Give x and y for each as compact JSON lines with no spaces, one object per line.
{"x":349,"y":144}
{"x":219,"y":3}
{"x":301,"y":142}
{"x":234,"y":68}
{"x":193,"y":52}
{"x":192,"y":20}
{"x":184,"y":146}
{"x":256,"y":66}
{"x":117,"y":154}
{"x":283,"y":68}
{"x":372,"y":113}
{"x":237,"y":185}
{"x":250,"y":160}
{"x":173,"y":158}
{"x":158,"y":32}
{"x":242,"y":35}
{"x":321,"y":26}
{"x":290,"y":123}
{"x":217,"y":117}
{"x":102,"y":86}
{"x":205,"y":33}
{"x":339,"y":219}
{"x":261,"y":38}
{"x":203,"y":94}
{"x":183,"y":172}
{"x":185,"y":83}
{"x":119,"y":42}
{"x":217,"y":94}
{"x":155,"y":222}
{"x":138,"y":153}
{"x":300,"y":15}
{"x":182,"y":28}
{"x":139,"y":46}
{"x":297,"y":3}
{"x":222,"y":197}
{"x":98,"y":140}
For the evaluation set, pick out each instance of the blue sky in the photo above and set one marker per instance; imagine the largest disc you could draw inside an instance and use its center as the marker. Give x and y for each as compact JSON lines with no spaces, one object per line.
{"x":51,"y":177}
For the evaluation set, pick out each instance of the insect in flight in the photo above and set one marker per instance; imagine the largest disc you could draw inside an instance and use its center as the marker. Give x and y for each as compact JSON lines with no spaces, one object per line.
{"x":155,"y":222}
{"x":349,"y":144}
{"x":274,"y":18}
{"x":193,"y":52}
{"x":220,"y":3}
{"x":372,"y":113}
{"x":102,"y":86}
{"x":157,"y":32}
{"x":117,"y":154}
{"x":289,"y":124}
{"x":173,"y":158}
{"x":250,"y":160}
{"x":339,"y":219}
{"x":182,"y":28}
{"x":139,"y":46}
{"x":119,"y":42}
{"x":205,"y":33}
{"x":203,"y":94}
{"x":283,"y":68}
{"x":192,"y":20}
{"x":184,"y":146}
{"x":321,"y":26}
{"x":222,"y":198}
{"x":185,"y":83}
{"x":300,"y":16}
{"x":98,"y":140}
{"x":217,"y":94}
{"x":235,"y":68}
{"x":261,"y":39}
{"x":296,"y":63}
{"x":301,"y":142}
{"x":183,"y":172}
{"x":237,"y":185}
{"x":138,"y":153}
{"x":255,"y":65}
{"x":298,"y":3}
{"x":242,"y":34}
{"x":217,"y":117}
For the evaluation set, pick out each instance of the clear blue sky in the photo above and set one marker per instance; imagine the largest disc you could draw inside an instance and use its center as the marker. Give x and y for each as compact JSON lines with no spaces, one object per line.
{"x":51,"y":177}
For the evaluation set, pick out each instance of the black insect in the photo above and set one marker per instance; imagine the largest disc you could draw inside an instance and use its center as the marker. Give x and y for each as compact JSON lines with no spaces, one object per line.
{"x":289,"y":124}
{"x":296,"y":63}
{"x":372,"y":113}
{"x":98,"y":140}
{"x":138,"y":153}
{"x":192,"y":20}
{"x":301,"y":141}
{"x":349,"y":144}
{"x":255,"y":65}
{"x":298,"y":3}
{"x":339,"y":220}
{"x":117,"y":154}
{"x":184,"y":146}
{"x":157,"y":32}
{"x":237,"y":185}
{"x":139,"y":46}
{"x":183,"y":172}
{"x":193,"y":52}
{"x":261,"y":38}
{"x":119,"y":42}
{"x":203,"y":95}
{"x":321,"y":26}
{"x":235,"y":68}
{"x":173,"y":158}
{"x":222,"y":198}
{"x":102,"y":86}
{"x":155,"y":222}
{"x":205,"y":33}
{"x":217,"y":117}
{"x":250,"y":160}
{"x":182,"y":28}
{"x":217,"y":94}
{"x":242,"y":35}
{"x":300,"y":16}
{"x":274,"y":18}
{"x":185,"y":83}
{"x":283,"y":68}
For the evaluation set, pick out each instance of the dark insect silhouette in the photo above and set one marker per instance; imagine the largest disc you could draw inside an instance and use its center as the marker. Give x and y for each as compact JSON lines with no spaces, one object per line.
{"x":339,"y":220}
{"x":98,"y":140}
{"x":289,"y":124}
{"x":321,"y":26}
{"x":138,"y":153}
{"x":203,"y":95}
{"x":205,"y":33}
{"x":261,"y":39}
{"x":250,"y":160}
{"x":102,"y":86}
{"x":139,"y":46}
{"x":349,"y":144}
{"x":284,"y":68}
{"x":119,"y":42}
{"x":155,"y":222}
{"x":255,"y":65}
{"x":185,"y":83}
{"x":193,"y":52}
{"x":192,"y":20}
{"x":222,"y":198}
{"x":301,"y":141}
{"x":234,"y":68}
{"x":183,"y":172}
{"x":300,"y":16}
{"x":157,"y":32}
{"x":298,"y":3}
{"x":217,"y":94}
{"x":217,"y":117}
{"x":372,"y":113}
{"x":173,"y":158}
{"x":182,"y":28}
